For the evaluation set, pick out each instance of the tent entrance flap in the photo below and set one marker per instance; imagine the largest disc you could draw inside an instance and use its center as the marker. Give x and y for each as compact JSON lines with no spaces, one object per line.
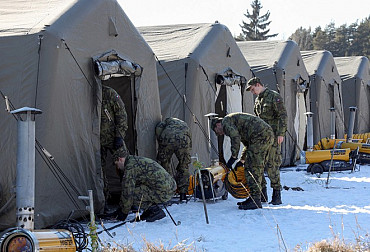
{"x":230,"y":86}
{"x":122,"y":75}
{"x":125,"y":87}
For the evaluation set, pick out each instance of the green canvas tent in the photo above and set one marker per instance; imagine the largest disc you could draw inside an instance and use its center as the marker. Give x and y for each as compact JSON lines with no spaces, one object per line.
{"x":280,"y":67}
{"x":51,"y":50}
{"x":355,"y":74}
{"x":325,"y":92}
{"x":200,"y":70}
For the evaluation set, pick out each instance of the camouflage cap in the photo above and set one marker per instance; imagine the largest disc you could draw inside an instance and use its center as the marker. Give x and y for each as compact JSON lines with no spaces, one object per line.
{"x":214,"y":121}
{"x":253,"y":82}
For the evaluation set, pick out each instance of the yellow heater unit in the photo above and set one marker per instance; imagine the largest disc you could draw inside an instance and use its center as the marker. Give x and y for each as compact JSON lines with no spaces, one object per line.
{"x":318,"y":156}
{"x":212,"y":180}
{"x":326,"y":143}
{"x":18,"y":239}
{"x":363,"y":147}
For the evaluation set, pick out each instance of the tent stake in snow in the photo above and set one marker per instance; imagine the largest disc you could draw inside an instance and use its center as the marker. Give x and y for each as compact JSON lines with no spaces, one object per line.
{"x":198,"y":165}
{"x":174,"y":222}
{"x":203,"y":197}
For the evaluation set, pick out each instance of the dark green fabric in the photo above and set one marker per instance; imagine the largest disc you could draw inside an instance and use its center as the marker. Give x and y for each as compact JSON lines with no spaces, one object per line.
{"x":174,"y":137}
{"x":270,"y":107}
{"x":144,"y":183}
{"x":113,"y":126}
{"x":257,"y":137}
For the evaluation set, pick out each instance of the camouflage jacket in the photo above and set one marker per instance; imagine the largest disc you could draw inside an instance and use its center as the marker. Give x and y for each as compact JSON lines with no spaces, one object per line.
{"x":172,"y":130}
{"x":243,"y":127}
{"x":269,"y":106}
{"x":113,"y":116}
{"x":139,"y":171}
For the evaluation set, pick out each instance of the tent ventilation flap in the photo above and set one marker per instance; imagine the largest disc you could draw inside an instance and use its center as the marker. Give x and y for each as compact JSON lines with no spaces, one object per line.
{"x":116,"y":68}
{"x":229,"y":78}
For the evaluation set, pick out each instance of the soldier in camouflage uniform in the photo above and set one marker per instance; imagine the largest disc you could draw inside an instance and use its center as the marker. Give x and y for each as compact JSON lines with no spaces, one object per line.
{"x":145,"y":183}
{"x":257,"y":137}
{"x":113,"y":128}
{"x":174,"y":137}
{"x":269,"y":106}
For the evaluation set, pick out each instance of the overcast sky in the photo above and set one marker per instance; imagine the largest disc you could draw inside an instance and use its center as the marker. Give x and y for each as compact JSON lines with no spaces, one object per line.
{"x":286,"y":15}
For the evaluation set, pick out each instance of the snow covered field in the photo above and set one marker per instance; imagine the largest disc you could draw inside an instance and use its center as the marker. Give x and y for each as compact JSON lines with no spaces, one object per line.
{"x":319,"y":212}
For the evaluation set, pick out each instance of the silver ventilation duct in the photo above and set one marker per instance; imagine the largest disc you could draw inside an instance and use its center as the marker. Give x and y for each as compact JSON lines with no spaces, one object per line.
{"x":351,"y":124}
{"x":309,"y":131}
{"x":332,"y":123}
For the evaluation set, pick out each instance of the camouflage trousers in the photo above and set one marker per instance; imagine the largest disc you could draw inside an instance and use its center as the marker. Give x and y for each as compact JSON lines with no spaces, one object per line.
{"x":272,"y":166}
{"x":104,"y":149}
{"x":256,"y":156}
{"x":181,"y":175}
{"x":145,"y":196}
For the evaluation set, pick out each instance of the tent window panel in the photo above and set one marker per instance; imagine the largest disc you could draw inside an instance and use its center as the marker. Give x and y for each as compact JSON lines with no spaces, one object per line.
{"x":125,"y":87}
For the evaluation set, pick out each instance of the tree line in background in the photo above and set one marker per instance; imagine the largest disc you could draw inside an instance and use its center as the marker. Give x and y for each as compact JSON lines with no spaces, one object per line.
{"x":345,"y":40}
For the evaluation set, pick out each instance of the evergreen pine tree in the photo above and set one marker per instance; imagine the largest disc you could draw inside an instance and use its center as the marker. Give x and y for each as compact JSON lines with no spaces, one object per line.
{"x":341,"y":42}
{"x":303,"y":38}
{"x":361,"y":39}
{"x":320,"y":39}
{"x":256,"y":29}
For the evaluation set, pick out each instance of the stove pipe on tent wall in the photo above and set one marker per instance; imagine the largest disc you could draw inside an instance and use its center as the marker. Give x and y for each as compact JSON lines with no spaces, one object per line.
{"x":332,"y":123}
{"x":212,"y":138}
{"x":25,"y":180}
{"x":309,"y":131}
{"x":351,"y":124}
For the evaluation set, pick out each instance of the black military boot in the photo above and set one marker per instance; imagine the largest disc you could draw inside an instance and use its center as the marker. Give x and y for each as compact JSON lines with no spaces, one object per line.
{"x":242,"y":202}
{"x":264,"y":197}
{"x":251,"y":203}
{"x":153,"y":213}
{"x":117,"y":215}
{"x":144,"y":215}
{"x":183,"y":197}
{"x":276,"y":197}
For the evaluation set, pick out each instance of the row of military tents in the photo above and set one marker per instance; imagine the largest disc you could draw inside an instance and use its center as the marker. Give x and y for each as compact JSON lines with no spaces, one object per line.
{"x":57,"y":54}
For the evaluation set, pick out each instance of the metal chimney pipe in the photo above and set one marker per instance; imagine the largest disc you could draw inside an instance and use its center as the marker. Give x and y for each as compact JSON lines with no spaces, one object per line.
{"x":332,"y":123}
{"x":25,"y":180}
{"x":351,"y":124}
{"x":212,"y":137}
{"x":309,"y":131}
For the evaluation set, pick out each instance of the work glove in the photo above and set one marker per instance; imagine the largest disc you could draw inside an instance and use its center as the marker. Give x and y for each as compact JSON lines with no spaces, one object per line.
{"x":117,"y":142}
{"x":230,"y":163}
{"x":238,"y":164}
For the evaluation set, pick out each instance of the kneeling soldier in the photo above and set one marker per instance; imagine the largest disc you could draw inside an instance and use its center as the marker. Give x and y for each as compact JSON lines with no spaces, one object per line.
{"x":145,"y":183}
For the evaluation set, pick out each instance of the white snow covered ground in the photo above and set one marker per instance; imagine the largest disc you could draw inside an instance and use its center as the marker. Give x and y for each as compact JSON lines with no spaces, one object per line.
{"x":319,"y":212}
